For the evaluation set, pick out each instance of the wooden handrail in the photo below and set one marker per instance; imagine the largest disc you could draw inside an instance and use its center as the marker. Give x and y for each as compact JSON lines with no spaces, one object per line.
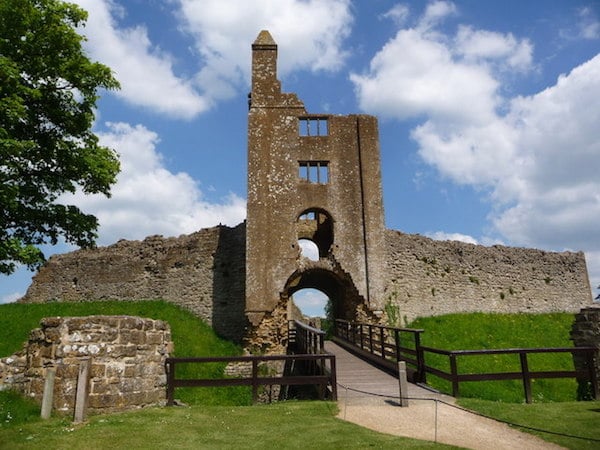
{"x":377,"y":347}
{"x":324,"y":379}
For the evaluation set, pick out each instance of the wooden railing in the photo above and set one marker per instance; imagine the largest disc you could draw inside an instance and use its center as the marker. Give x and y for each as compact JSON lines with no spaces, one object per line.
{"x":524,"y":374}
{"x":305,"y":338}
{"x":384,"y":346}
{"x":324,"y":380}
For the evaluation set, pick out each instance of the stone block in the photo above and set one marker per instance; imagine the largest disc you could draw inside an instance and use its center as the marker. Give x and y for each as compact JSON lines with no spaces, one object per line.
{"x":98,"y":370}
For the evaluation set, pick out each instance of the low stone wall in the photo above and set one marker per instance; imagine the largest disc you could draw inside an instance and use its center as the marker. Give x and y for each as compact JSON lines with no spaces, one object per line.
{"x":586,"y":333}
{"x":127,"y":361}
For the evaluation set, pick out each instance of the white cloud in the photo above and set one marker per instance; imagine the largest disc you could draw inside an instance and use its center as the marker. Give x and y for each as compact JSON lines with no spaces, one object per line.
{"x":443,"y":236}
{"x":537,"y":156}
{"x":147,"y":198}
{"x":589,"y":25}
{"x":482,"y":45}
{"x":398,"y":13}
{"x":311,"y":302}
{"x":309,"y":34}
{"x":10,"y":298}
{"x":413,"y":75}
{"x":309,"y":249}
{"x":435,"y":12}
{"x":144,"y":71}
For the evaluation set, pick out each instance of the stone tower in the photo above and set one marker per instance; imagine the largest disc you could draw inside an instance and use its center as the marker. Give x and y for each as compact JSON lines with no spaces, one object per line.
{"x":315,"y":177}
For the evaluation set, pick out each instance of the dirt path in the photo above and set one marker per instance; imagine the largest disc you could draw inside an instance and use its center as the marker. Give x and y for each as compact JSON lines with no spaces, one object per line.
{"x":368,"y":397}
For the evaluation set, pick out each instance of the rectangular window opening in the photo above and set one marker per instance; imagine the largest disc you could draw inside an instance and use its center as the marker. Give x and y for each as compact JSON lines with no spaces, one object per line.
{"x":313,"y":126}
{"x":314,"y":171}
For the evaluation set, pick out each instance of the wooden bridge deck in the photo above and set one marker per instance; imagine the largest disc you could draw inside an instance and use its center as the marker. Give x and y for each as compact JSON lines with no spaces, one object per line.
{"x":360,"y":381}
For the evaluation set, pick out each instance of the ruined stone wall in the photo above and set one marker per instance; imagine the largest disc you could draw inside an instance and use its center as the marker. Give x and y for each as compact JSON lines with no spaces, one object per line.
{"x":127,"y":361}
{"x":427,"y":277}
{"x":202,"y":272}
{"x":205,"y":271}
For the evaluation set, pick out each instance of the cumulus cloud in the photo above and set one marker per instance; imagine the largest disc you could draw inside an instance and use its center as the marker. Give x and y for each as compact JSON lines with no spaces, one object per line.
{"x":147,"y":198}
{"x":309,"y":33}
{"x":144,"y":71}
{"x":537,"y":156}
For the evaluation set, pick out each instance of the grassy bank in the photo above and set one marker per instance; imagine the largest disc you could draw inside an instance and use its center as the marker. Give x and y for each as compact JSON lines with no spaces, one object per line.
{"x":290,"y":425}
{"x":487,"y":331}
{"x":574,"y":425}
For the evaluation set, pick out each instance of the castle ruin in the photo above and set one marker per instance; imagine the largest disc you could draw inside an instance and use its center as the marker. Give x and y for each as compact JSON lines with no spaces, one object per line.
{"x":313,"y":177}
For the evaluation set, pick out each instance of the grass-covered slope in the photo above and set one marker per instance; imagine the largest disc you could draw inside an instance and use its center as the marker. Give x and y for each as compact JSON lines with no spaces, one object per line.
{"x":191,"y":337}
{"x":501,"y":331}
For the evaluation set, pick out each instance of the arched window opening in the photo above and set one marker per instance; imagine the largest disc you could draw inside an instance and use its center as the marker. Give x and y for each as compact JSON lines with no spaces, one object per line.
{"x":316,"y":225}
{"x":309,"y":249}
{"x":311,"y":302}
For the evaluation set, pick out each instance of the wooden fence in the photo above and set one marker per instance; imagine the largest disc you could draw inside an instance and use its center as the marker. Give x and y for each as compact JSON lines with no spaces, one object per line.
{"x":384,"y":346}
{"x":524,"y":374}
{"x":324,"y":381}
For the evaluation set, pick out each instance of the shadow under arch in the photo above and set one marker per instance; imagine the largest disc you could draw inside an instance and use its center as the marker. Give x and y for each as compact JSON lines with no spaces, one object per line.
{"x":338,"y":287}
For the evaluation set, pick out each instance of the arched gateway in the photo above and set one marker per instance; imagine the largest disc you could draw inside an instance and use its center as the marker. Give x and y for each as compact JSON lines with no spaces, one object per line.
{"x":311,"y":177}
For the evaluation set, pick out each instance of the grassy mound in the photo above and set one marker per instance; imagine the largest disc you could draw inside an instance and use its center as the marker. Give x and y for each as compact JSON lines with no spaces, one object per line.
{"x":501,"y":331}
{"x":191,"y":336}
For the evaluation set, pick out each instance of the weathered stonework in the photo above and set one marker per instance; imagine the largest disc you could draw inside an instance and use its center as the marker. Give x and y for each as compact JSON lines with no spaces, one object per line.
{"x":202,"y":272}
{"x":422,"y":276}
{"x":314,"y":177}
{"x":586,"y":333}
{"x":427,"y":277}
{"x":127,"y":361}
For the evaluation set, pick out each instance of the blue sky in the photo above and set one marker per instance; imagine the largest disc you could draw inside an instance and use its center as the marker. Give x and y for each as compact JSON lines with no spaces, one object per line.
{"x":488,"y":112}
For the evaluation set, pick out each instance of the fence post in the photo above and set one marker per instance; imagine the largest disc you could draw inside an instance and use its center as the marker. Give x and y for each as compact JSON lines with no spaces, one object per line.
{"x":454,"y":371}
{"x":333,"y":378}
{"x":381,"y":340}
{"x":48,"y":396}
{"x":170,"y":368}
{"x":403,"y":383}
{"x":371,"y":338}
{"x":397,"y":342}
{"x":420,"y":359}
{"x":594,"y":377}
{"x":526,"y":377}
{"x":254,"y":380}
{"x":81,"y":396}
{"x":360,"y":330}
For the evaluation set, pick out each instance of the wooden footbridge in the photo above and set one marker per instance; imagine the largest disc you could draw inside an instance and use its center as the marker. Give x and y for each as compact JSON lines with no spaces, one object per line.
{"x":361,"y":361}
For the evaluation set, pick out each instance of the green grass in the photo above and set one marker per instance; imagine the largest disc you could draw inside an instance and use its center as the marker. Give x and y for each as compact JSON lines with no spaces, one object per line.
{"x":289,"y":425}
{"x":191,"y":337}
{"x":487,"y":331}
{"x":574,"y":425}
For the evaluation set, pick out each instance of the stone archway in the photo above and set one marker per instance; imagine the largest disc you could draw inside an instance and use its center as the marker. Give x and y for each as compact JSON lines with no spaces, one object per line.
{"x":346,"y":302}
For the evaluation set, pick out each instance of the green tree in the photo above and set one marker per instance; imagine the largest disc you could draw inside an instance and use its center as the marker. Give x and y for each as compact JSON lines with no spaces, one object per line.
{"x":48,"y":92}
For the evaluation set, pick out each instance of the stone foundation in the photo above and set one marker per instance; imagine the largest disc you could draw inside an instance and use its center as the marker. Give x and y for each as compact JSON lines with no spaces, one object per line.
{"x":127,"y":361}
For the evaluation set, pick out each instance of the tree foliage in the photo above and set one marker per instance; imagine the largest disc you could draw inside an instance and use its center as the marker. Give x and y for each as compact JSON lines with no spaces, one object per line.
{"x":48,"y":92}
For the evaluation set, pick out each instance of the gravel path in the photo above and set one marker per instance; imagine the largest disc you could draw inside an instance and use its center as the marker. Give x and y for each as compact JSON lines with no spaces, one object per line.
{"x":448,"y":425}
{"x":424,"y":418}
